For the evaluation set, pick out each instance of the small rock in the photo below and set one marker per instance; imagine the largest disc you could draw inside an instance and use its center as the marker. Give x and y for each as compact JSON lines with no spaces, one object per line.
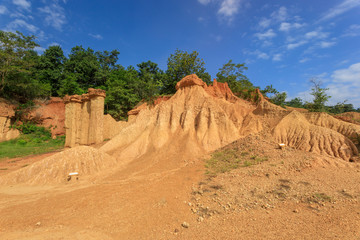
{"x":296,"y":211}
{"x":190,"y":204}
{"x":200,"y":219}
{"x":38,"y":224}
{"x":185,"y":225}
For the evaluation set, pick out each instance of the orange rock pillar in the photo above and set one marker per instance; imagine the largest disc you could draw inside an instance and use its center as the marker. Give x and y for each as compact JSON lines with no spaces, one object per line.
{"x":72,"y":120}
{"x":84,"y":118}
{"x":96,"y":124}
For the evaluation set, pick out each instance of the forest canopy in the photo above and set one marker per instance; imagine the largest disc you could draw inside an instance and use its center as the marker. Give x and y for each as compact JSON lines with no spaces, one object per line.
{"x":26,"y":75}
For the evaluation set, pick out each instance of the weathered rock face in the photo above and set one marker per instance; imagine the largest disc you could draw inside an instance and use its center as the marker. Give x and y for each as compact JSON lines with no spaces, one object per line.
{"x":192,"y":121}
{"x":112,"y":127}
{"x":221,"y":90}
{"x":6,"y":113}
{"x":296,"y":131}
{"x":49,"y":114}
{"x":190,"y":80}
{"x":84,"y":118}
{"x":143,"y":106}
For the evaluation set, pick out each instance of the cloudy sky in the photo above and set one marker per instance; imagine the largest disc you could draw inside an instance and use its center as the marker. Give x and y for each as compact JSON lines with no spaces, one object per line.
{"x":284,"y":43}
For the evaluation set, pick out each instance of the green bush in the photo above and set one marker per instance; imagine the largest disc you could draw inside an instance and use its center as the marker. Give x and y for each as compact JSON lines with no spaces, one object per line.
{"x":22,"y":142}
{"x":38,"y":132}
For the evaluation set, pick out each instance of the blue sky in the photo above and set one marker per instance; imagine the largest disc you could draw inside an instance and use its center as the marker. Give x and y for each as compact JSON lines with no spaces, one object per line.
{"x":284,"y":43}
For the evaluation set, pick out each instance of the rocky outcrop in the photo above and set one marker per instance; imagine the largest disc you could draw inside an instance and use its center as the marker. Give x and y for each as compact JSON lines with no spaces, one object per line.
{"x":84,"y":118}
{"x":221,"y":90}
{"x":192,"y":120}
{"x":190,"y":80}
{"x":49,"y":114}
{"x":6,"y":113}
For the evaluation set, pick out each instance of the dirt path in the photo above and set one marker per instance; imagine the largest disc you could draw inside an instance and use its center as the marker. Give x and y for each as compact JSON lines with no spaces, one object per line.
{"x":152,"y":202}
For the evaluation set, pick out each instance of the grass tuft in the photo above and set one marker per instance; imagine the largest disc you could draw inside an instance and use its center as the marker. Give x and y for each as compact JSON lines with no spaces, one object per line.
{"x":33,"y":142}
{"x":229,"y":159}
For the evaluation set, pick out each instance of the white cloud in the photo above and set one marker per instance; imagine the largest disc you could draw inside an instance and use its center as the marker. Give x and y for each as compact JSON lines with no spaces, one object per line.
{"x":285,"y":26}
{"x":22,"y":4}
{"x":316,"y":34}
{"x":348,"y":75}
{"x":277,"y":57}
{"x":343,"y":84}
{"x":280,"y":14}
{"x":325,"y":44}
{"x":295,"y":45}
{"x":265,"y":23}
{"x":217,"y":38}
{"x":3,"y":9}
{"x":352,"y":31}
{"x":96,"y":36}
{"x":268,"y":34}
{"x":263,"y":55}
{"x":204,"y":2}
{"x":304,"y":60}
{"x":229,"y":8}
{"x":341,"y":8}
{"x":259,"y":54}
{"x":39,"y":49}
{"x":17,"y":24}
{"x":55,"y":15}
{"x":54,"y":44}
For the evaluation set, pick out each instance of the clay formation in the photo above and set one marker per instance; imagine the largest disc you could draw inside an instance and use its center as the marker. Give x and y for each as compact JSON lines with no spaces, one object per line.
{"x":84,"y":118}
{"x":6,"y":113}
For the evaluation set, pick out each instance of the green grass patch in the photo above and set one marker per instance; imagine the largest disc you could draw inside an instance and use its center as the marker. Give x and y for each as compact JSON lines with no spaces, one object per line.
{"x":28,"y":145}
{"x":229,"y":159}
{"x":33,"y":140}
{"x":319,"y":197}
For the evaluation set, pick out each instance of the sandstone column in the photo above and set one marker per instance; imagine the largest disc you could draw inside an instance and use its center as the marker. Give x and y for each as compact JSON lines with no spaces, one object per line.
{"x":72,"y":118}
{"x":96,"y":124}
{"x":85,"y":119}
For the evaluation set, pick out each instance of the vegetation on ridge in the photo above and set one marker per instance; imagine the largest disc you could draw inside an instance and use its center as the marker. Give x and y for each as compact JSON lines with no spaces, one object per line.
{"x":25,"y":75}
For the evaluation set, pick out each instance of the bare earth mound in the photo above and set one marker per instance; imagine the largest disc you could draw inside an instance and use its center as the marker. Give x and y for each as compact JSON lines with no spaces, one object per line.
{"x":192,"y":116}
{"x":87,"y":161}
{"x":325,"y":120}
{"x":352,"y":117}
{"x":295,"y":131}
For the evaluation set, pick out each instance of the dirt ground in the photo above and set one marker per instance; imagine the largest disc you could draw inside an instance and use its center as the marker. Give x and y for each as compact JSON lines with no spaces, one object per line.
{"x":292,"y":195}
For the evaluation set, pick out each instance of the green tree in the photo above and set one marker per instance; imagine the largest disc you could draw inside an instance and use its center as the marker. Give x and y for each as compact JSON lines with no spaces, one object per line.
{"x":69,"y":86}
{"x":233,"y":74}
{"x":320,"y":97}
{"x":50,"y":68}
{"x":181,"y":64}
{"x":296,"y":102}
{"x":279,"y":99}
{"x":107,"y":62}
{"x":269,"y":90}
{"x":151,"y":79}
{"x":84,"y":64}
{"x":341,"y":107}
{"x":120,"y":94}
{"x":16,"y":62}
